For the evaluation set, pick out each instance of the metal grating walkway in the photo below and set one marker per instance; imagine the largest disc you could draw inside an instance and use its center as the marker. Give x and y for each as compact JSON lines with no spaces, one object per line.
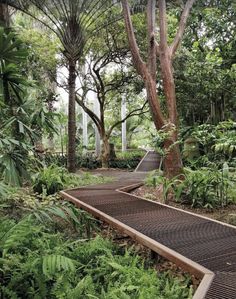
{"x":151,"y":161}
{"x":202,"y":246}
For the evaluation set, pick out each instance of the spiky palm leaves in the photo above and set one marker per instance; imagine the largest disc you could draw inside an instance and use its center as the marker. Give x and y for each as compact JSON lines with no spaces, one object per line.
{"x":14,"y":124}
{"x":74,"y":22}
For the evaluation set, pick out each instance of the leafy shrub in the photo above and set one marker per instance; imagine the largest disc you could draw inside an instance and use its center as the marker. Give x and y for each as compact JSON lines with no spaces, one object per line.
{"x":56,"y":159}
{"x":205,"y":187}
{"x":81,"y":221}
{"x":53,"y":267}
{"x":124,"y":160}
{"x":154,"y":178}
{"x":13,"y":161}
{"x":217,"y":143}
{"x":49,"y":180}
{"x":124,"y":163}
{"x":130,"y":154}
{"x":3,"y":190}
{"x":88,"y":160}
{"x":127,"y":160}
{"x":54,"y":178}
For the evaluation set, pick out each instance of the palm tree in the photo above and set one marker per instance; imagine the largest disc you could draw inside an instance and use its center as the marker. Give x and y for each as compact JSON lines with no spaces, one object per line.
{"x":74,"y":22}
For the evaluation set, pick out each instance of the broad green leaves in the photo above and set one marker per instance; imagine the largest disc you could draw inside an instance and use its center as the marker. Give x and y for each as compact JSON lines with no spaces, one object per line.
{"x":11,"y":48}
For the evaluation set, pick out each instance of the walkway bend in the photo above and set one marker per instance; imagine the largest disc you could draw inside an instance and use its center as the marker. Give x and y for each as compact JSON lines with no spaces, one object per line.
{"x":203,"y":247}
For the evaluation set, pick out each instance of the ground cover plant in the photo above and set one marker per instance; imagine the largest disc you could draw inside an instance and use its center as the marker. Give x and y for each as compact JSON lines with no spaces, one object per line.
{"x":53,"y":178}
{"x":50,"y":249}
{"x":208,"y":179}
{"x":204,"y":187}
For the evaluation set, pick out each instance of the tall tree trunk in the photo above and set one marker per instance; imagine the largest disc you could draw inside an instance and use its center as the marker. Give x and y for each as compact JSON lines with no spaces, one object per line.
{"x":71,"y":160}
{"x":172,"y":161}
{"x":154,"y":105}
{"x":4,"y":15}
{"x":105,"y":156}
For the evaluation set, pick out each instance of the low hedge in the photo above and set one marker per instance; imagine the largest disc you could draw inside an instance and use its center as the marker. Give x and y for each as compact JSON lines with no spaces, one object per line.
{"x":90,"y":161}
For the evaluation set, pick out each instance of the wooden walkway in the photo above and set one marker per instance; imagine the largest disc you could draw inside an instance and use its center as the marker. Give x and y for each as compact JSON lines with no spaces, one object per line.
{"x":203,"y":247}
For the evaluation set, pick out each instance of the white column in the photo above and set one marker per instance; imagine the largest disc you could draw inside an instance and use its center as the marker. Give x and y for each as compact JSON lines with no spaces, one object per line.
{"x":97,"y":136}
{"x":123,"y":129}
{"x":85,"y":128}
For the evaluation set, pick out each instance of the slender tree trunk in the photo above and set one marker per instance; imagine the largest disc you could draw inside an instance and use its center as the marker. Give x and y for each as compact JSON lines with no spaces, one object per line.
{"x":71,"y":160}
{"x":105,"y":152}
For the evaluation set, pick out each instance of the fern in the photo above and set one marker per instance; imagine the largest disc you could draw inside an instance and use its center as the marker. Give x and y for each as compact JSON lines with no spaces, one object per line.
{"x":81,"y":221}
{"x":7,"y":293}
{"x":84,"y":289}
{"x":52,"y":264}
{"x":16,"y":235}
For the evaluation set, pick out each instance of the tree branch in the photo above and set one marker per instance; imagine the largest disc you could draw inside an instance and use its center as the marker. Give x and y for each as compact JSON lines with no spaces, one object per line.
{"x":137,"y":111}
{"x":138,"y":62}
{"x":163,"y":26}
{"x":152,"y":52}
{"x":182,"y":26}
{"x":92,"y":115}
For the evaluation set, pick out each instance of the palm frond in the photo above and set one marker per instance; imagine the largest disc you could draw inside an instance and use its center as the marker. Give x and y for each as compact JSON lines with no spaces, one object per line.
{"x":72,"y":21}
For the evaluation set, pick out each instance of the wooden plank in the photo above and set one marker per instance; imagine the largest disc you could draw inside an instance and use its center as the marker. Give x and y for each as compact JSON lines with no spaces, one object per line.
{"x":204,"y":286}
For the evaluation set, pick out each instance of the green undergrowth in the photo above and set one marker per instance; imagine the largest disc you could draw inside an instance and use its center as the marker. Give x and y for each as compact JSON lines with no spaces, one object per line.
{"x":51,"y":249}
{"x":53,"y":178}
{"x":205,"y":187}
{"x":38,"y":261}
{"x":124,"y":160}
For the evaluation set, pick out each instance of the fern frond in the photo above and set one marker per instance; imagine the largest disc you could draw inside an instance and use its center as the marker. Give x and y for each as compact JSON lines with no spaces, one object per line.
{"x":54,"y":263}
{"x":16,"y":235}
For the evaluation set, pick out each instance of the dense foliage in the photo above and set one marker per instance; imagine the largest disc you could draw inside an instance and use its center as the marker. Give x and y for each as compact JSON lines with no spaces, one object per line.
{"x":50,"y":249}
{"x":123,"y":160}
